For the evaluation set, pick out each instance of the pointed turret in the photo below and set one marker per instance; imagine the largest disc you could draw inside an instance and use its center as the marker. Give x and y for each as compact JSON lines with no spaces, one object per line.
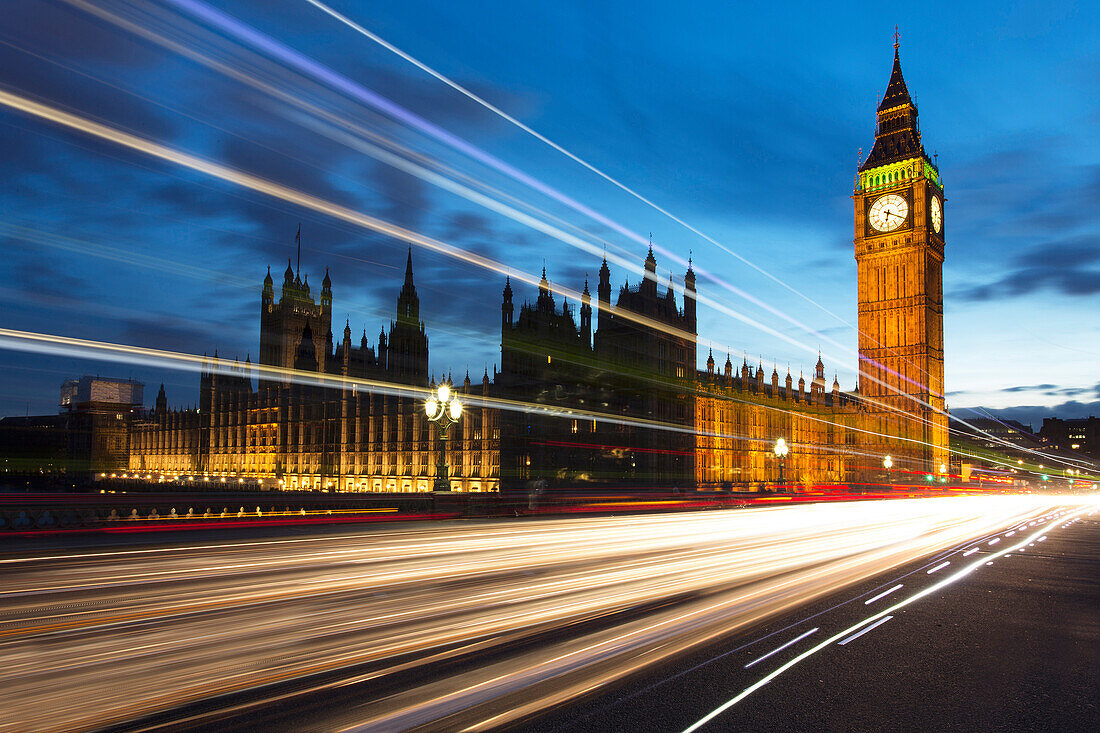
{"x":689,"y":297}
{"x":507,"y":310}
{"x":649,"y":280}
{"x":408,"y":303}
{"x":603,"y":295}
{"x":897,"y":93}
{"x":546,"y":300}
{"x":267,"y":295}
{"x":710,"y":362}
{"x":586,"y":314}
{"x":728,"y":371}
{"x":897,"y":136}
{"x":326,"y":291}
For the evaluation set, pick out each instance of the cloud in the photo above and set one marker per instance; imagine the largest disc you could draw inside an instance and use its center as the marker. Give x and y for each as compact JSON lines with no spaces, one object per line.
{"x":1028,"y":388}
{"x":1035,"y":414}
{"x":57,"y":30}
{"x":1069,"y":267}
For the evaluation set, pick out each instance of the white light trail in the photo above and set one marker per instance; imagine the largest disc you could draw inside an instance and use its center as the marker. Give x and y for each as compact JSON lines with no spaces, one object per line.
{"x":934,"y":588}
{"x":860,"y":633}
{"x":781,"y":648}
{"x":397,"y":599}
{"x":883,"y":594}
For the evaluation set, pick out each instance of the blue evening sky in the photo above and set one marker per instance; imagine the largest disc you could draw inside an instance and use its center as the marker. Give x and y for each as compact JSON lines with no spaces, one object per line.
{"x":745,"y":120}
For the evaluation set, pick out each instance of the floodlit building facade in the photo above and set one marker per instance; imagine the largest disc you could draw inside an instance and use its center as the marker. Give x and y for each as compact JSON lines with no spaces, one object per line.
{"x":598,"y":397}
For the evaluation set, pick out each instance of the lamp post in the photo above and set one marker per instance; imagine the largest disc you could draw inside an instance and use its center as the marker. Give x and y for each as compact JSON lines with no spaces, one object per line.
{"x":888,"y":463}
{"x":781,"y":449}
{"x":444,"y":409}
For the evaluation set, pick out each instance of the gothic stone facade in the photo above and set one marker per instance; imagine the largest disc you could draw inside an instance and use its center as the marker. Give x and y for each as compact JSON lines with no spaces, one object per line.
{"x":306,"y":436}
{"x":615,"y":402}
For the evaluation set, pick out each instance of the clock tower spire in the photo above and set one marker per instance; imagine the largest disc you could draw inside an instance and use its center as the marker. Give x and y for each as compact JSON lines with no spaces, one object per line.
{"x":899,"y":251}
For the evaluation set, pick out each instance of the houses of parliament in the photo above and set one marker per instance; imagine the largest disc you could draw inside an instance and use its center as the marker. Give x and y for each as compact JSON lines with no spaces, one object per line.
{"x":606,"y":395}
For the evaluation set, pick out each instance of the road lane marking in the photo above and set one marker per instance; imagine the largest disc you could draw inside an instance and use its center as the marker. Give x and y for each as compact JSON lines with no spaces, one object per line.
{"x":941,"y":566}
{"x":869,"y":601}
{"x":864,"y":630}
{"x":935,"y":587}
{"x":971,"y":551}
{"x":779,"y":649}
{"x":995,"y":540}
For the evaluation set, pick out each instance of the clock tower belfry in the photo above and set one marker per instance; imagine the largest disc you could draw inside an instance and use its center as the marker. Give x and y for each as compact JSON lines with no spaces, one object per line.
{"x":899,"y":250}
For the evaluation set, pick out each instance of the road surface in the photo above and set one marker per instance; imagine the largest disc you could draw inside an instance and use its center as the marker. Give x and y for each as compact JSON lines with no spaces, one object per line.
{"x":469,"y":625}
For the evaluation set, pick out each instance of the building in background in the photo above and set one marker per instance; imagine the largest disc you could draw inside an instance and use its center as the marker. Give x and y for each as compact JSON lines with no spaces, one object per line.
{"x":90,"y":435}
{"x":1074,"y":436}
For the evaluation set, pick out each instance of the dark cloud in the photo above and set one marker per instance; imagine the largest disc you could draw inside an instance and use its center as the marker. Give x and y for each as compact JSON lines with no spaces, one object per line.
{"x":171,"y":334}
{"x":404,"y":198}
{"x":1035,"y":414}
{"x":53,"y":28}
{"x":82,"y":93}
{"x":1067,"y":267}
{"x":38,"y":281}
{"x":463,"y":226}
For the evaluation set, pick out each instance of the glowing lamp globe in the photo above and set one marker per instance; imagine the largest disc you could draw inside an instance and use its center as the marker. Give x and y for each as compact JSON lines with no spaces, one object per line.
{"x":430,"y":406}
{"x":456,"y":409}
{"x":443,"y":393}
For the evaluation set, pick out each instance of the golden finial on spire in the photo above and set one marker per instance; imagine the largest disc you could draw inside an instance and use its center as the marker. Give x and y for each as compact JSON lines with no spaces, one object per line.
{"x":896,"y":37}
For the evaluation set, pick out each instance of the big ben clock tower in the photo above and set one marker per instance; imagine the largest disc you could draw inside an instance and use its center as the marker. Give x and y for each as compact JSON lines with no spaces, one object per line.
{"x":899,"y":249}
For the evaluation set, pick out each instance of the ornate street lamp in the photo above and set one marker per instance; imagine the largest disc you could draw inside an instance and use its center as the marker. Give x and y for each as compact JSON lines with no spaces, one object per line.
{"x":781,"y":450}
{"x":444,"y":409}
{"x":888,"y":463}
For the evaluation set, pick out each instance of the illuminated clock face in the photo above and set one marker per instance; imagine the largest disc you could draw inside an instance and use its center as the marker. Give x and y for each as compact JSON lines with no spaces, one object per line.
{"x":888,"y":212}
{"x":937,"y":214}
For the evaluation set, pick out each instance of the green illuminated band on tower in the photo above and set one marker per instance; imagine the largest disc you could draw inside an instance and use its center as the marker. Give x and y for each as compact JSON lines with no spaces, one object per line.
{"x":891,"y":174}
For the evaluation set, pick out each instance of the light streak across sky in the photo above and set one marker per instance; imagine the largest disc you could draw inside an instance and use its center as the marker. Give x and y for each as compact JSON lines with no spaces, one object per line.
{"x":358,"y":92}
{"x":599,"y":598}
{"x":393,"y":154}
{"x":300,"y":198}
{"x":146,"y":356}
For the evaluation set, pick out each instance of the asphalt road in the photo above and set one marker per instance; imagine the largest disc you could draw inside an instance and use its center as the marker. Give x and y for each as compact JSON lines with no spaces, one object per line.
{"x":1011,"y":646}
{"x":646,"y":622}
